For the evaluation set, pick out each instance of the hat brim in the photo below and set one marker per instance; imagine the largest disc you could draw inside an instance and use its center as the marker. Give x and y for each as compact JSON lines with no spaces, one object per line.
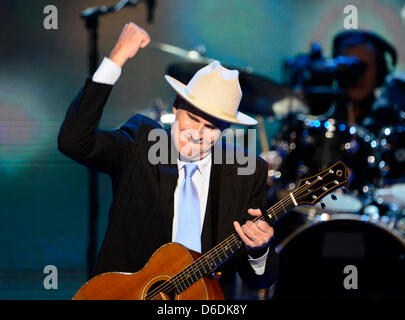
{"x":181,"y":89}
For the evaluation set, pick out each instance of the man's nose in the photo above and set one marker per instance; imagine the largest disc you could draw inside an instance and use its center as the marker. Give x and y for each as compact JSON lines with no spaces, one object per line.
{"x":200,"y":128}
{"x":196,"y":133}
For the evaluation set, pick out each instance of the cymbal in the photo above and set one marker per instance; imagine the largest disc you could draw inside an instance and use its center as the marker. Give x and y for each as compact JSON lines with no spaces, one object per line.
{"x":260,"y":94}
{"x":190,"y":55}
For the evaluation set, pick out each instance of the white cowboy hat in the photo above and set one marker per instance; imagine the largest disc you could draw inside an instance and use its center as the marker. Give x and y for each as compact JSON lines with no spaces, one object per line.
{"x":214,"y":90}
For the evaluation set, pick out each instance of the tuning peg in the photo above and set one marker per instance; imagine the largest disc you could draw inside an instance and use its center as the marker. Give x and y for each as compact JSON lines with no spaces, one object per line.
{"x":333,"y":196}
{"x":323,"y":205}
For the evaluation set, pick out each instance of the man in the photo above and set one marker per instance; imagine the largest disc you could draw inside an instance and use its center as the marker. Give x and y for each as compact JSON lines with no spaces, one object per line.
{"x":371,"y":101}
{"x":373,"y":51}
{"x":194,"y":201}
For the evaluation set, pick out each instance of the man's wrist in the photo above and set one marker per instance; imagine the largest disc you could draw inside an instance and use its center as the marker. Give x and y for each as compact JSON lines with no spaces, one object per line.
{"x":259,"y":264}
{"x":257,"y":253}
{"x":118,"y":59}
{"x":107,"y":73}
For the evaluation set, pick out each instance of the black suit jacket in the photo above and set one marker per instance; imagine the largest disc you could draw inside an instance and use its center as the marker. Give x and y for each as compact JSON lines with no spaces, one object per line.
{"x":141,"y":214}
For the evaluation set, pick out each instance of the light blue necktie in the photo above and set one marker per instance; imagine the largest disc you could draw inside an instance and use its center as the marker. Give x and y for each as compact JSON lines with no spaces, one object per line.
{"x":188,"y":219}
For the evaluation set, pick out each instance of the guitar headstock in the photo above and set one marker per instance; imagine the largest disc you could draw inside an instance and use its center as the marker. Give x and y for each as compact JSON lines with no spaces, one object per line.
{"x":311,"y":190}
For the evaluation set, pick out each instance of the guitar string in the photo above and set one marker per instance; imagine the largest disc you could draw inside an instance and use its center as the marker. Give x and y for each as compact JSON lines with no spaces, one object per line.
{"x":275,"y":207}
{"x":297,"y":196}
{"x":300,"y":198}
{"x":200,"y":261}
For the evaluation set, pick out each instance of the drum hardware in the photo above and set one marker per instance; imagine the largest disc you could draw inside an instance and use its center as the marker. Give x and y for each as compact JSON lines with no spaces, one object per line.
{"x":316,"y":141}
{"x":372,"y":213}
{"x":391,"y":154}
{"x":390,"y":194}
{"x":393,"y":196}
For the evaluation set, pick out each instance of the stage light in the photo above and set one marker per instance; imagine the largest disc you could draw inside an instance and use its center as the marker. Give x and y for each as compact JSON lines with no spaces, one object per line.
{"x":371,"y":159}
{"x":324,"y":217}
{"x":167,"y":118}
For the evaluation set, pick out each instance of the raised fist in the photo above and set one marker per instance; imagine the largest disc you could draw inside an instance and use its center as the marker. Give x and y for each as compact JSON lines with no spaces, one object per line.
{"x":132,"y":38}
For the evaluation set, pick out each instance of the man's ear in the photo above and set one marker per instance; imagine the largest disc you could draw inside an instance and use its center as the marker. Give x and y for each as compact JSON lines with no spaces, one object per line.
{"x":174,"y":110}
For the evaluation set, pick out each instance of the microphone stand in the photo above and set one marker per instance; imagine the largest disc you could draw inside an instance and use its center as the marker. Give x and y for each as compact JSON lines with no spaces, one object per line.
{"x":91,"y":16}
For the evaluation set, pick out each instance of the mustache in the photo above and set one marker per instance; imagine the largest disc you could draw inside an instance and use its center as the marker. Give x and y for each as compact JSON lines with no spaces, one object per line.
{"x":196,"y":141}
{"x":194,"y":138}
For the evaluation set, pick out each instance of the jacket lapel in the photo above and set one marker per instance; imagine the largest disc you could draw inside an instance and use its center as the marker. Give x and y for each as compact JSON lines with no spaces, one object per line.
{"x":209,"y":232}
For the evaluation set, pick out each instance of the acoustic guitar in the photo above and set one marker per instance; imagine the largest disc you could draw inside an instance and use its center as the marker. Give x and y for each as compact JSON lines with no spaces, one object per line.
{"x":176,"y":273}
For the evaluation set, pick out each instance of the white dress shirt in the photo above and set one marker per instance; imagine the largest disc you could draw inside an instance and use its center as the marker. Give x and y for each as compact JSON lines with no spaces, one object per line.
{"x":201,"y":179}
{"x":108,"y":73}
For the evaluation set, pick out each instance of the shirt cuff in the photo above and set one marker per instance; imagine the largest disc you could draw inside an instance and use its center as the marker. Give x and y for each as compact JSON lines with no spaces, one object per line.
{"x":107,"y":73}
{"x":259,"y":264}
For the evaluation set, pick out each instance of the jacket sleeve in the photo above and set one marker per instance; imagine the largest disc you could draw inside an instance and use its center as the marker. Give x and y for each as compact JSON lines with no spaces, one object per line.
{"x":258,"y":199}
{"x":80,"y":139}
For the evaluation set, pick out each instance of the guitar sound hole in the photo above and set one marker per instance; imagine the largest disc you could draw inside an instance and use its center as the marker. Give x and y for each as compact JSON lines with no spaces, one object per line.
{"x":158,"y":287}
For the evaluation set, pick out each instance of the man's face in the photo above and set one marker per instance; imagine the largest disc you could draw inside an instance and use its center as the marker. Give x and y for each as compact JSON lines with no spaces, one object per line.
{"x":366,"y":84}
{"x":194,"y":132}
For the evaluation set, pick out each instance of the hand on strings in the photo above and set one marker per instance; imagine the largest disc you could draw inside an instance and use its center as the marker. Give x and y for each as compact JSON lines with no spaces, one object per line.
{"x":255,"y":235}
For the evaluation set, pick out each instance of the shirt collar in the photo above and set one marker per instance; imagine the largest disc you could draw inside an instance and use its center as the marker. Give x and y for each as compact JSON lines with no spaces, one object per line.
{"x":204,"y":165}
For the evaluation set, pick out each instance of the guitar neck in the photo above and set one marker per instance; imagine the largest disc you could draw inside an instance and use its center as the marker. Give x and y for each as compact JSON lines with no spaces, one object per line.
{"x":211,"y":260}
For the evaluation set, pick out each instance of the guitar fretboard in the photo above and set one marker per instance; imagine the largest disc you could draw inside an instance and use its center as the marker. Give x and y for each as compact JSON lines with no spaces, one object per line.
{"x":211,"y":260}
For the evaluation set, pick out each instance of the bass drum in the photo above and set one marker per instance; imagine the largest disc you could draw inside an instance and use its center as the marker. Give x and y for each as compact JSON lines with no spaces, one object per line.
{"x":343,"y":258}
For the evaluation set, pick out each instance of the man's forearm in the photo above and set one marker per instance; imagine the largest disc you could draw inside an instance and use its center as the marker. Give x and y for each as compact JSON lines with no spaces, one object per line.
{"x":77,"y":131}
{"x":85,"y":111}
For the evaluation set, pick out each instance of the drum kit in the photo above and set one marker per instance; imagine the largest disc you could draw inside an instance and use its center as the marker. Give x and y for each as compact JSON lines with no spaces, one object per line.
{"x":363,"y":226}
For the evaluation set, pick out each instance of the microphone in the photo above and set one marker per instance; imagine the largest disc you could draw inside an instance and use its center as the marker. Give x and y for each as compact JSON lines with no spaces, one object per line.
{"x":96,"y":11}
{"x":151,"y":8}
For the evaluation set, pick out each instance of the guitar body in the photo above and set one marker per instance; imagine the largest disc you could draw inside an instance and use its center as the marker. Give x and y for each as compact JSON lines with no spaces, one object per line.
{"x":165,"y":263}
